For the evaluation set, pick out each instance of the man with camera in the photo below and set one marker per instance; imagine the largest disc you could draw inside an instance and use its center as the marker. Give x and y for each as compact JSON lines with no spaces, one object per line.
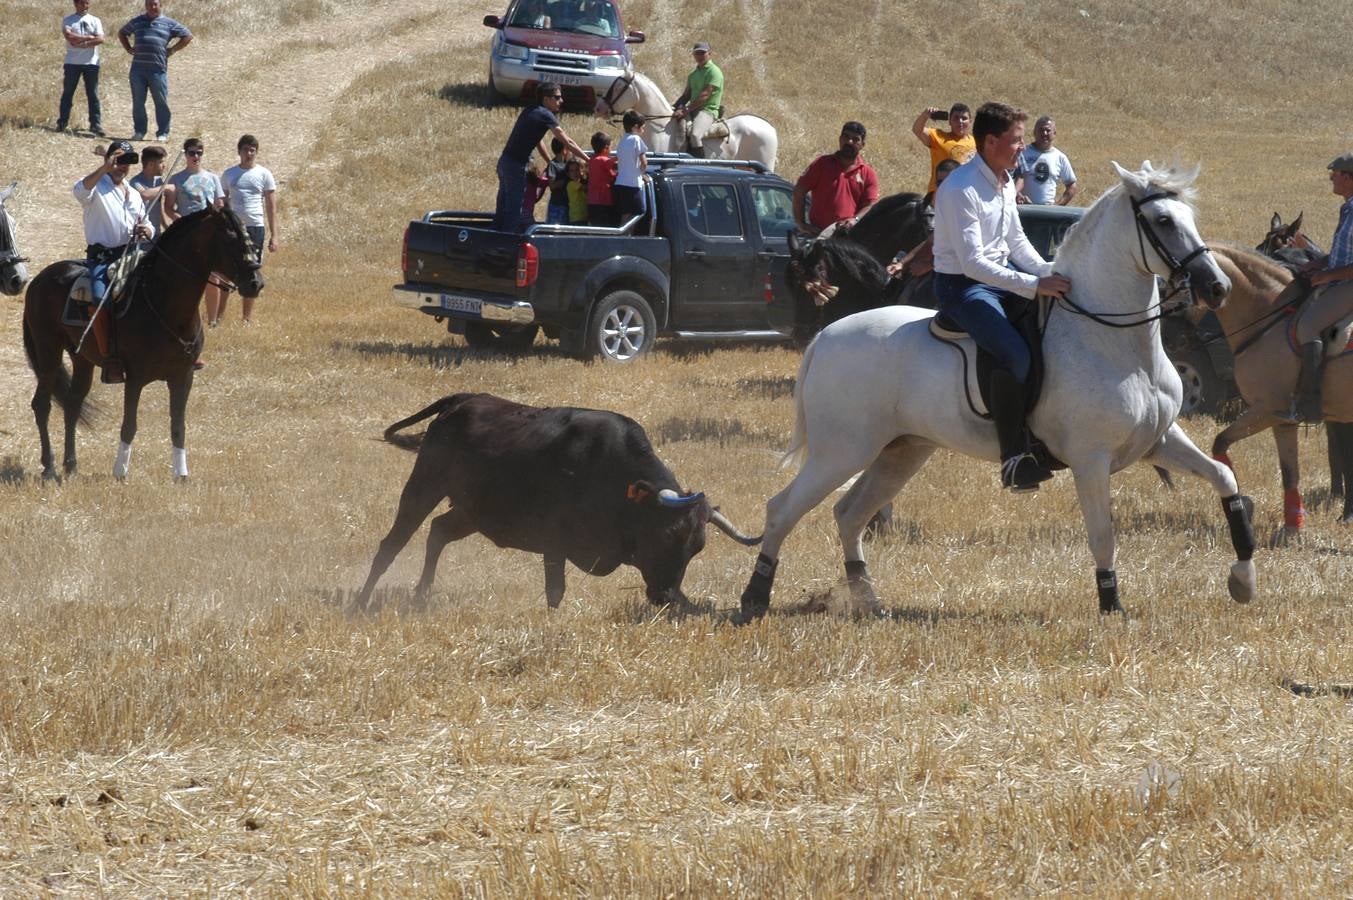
{"x":957,"y":143}
{"x":114,"y":216}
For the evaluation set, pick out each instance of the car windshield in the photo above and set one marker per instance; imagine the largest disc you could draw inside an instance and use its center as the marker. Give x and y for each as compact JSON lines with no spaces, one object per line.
{"x":595,"y":17}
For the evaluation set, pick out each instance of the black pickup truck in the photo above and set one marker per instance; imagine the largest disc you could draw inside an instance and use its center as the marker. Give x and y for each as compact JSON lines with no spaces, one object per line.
{"x":699,"y":266}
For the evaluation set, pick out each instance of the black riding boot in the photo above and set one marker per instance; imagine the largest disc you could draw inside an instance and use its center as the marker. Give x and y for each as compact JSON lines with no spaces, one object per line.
{"x":1020,"y":471}
{"x":1307,"y":400}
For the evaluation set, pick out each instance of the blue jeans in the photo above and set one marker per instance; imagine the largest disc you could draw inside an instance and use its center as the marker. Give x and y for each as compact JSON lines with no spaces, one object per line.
{"x":976,"y":308}
{"x":507,"y":214}
{"x":72,"y":78}
{"x":629,"y":202}
{"x":157,"y":82}
{"x":556,"y":214}
{"x":98,"y":279}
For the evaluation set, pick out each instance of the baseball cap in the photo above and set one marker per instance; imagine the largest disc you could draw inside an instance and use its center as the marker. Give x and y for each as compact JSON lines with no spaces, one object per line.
{"x":1342,"y":163}
{"x":124,"y":150}
{"x":700,"y":46}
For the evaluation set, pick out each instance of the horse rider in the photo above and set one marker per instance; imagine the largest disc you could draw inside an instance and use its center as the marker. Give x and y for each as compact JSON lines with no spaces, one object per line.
{"x":1333,"y":301}
{"x":977,"y":236}
{"x":701,"y":99}
{"x":114,"y":215}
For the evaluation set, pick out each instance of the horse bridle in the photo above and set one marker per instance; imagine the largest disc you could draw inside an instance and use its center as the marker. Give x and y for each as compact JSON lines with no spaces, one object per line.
{"x":1178,"y":280}
{"x":611,"y":99}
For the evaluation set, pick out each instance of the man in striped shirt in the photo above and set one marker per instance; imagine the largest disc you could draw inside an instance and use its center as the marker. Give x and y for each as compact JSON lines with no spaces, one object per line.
{"x":150,"y":65}
{"x":1333,"y":301}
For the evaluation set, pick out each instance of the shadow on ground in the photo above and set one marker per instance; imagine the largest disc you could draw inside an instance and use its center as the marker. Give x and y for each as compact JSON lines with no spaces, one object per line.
{"x":476,"y":95}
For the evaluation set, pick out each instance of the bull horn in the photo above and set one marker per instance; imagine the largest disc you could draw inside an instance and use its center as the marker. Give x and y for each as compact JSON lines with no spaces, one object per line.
{"x":720,"y":521}
{"x":669,"y":497}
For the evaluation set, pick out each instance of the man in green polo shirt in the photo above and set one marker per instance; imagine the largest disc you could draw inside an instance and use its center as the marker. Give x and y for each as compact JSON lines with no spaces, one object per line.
{"x":701,"y":99}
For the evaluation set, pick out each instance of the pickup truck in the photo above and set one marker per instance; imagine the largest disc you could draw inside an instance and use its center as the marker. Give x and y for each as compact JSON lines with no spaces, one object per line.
{"x":698,"y":266}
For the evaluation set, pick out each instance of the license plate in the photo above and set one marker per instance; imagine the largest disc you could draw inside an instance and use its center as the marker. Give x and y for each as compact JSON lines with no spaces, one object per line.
{"x":452,"y":303}
{"x":566,"y":79}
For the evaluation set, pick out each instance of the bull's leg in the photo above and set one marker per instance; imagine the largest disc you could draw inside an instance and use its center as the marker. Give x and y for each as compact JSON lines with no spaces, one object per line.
{"x":448,"y":527}
{"x":818,"y":478}
{"x":1178,"y":454}
{"x":416,"y":503}
{"x":1092,"y":489}
{"x":131,"y":399}
{"x":554,"y":580}
{"x":42,"y":414}
{"x":82,"y":375}
{"x":879,"y":484}
{"x":179,"y":389}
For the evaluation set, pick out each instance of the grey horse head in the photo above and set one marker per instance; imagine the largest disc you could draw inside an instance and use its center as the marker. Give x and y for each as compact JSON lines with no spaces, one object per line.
{"x":13,"y":272}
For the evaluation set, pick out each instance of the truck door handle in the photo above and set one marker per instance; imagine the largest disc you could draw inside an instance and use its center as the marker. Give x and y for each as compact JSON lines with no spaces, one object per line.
{"x":695,"y":254}
{"x":771,"y":254}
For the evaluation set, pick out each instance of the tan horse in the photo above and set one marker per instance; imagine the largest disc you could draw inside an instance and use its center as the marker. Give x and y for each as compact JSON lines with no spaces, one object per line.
{"x":1266,"y":370}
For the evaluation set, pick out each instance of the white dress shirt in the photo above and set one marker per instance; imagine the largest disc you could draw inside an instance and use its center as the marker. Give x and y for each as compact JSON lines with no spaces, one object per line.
{"x":111,"y":211}
{"x":977,"y":230}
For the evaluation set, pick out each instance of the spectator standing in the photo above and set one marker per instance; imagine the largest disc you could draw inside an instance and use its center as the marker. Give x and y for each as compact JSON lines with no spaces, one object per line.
{"x":149,"y":71}
{"x":251,"y":192}
{"x":149,"y":183}
{"x":196,"y":188}
{"x":701,"y":99}
{"x":1042,"y":167}
{"x":631,"y":163}
{"x":577,"y":193}
{"x":113,"y":216}
{"x":556,"y":211}
{"x":957,"y":143}
{"x":601,"y":172}
{"x":842,"y":185}
{"x":83,"y":34}
{"x":530,"y":127}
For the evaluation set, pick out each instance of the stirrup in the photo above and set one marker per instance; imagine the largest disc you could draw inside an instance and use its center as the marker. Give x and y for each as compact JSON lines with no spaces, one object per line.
{"x":1023,"y":473}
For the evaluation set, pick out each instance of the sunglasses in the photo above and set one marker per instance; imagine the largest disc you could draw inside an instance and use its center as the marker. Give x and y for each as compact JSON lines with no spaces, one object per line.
{"x":193,"y":152}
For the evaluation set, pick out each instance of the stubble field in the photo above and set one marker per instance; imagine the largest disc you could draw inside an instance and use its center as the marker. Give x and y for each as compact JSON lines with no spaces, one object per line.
{"x":186,"y":708}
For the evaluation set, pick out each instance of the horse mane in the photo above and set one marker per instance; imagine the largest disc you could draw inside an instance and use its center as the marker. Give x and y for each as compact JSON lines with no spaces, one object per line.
{"x":167,"y":238}
{"x":1175,"y":180}
{"x":889,"y":206}
{"x":640,"y":79}
{"x":849,"y":261}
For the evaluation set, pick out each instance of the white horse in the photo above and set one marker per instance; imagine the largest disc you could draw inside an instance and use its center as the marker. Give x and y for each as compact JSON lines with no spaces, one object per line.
{"x":13,"y":272}
{"x":877,"y":393}
{"x":749,"y":137}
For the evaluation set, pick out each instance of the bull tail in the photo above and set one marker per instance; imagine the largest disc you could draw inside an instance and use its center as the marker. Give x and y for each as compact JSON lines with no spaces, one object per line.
{"x":798,"y":441}
{"x":414,"y":441}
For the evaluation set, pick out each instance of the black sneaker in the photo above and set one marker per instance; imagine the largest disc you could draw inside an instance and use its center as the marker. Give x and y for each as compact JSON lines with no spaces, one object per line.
{"x":1023,"y":473}
{"x":98,"y":132}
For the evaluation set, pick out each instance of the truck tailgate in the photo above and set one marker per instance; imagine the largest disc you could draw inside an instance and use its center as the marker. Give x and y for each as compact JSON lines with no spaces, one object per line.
{"x":461,"y":257}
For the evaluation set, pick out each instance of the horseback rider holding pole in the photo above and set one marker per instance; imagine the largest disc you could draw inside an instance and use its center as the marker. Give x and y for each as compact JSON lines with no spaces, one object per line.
{"x":978,"y":236}
{"x":114,"y":216}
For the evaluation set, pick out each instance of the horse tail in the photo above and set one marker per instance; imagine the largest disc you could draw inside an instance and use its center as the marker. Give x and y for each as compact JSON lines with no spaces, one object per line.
{"x":61,"y":383}
{"x":414,"y":441}
{"x":798,"y":441}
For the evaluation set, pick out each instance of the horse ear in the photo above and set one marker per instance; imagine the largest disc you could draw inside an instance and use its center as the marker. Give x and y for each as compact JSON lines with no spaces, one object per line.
{"x":1133,"y":181}
{"x":1275,"y":223}
{"x":1296,"y":223}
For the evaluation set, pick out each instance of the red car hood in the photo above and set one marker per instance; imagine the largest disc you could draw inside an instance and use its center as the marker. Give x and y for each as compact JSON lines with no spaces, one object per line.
{"x":538,"y":39}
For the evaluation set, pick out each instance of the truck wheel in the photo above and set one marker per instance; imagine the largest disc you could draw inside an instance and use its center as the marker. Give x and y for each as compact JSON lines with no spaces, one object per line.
{"x":500,"y":338}
{"x":1203,"y":390}
{"x":622,"y":327}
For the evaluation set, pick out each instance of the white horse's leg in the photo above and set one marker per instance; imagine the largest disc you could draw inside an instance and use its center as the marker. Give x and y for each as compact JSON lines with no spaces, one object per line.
{"x":1092,"y":488}
{"x":879,"y":484}
{"x":1178,"y":454}
{"x":819,"y":476}
{"x":123,"y":463}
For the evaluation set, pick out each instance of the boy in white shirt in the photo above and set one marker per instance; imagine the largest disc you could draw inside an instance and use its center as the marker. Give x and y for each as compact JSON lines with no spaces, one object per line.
{"x":251,"y":192}
{"x":632,"y":160}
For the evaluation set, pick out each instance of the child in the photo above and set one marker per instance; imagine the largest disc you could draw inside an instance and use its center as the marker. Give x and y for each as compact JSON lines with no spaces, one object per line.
{"x":601,"y":169}
{"x":556,"y":213}
{"x":631,"y":161}
{"x":536,"y":185}
{"x":577,"y":193}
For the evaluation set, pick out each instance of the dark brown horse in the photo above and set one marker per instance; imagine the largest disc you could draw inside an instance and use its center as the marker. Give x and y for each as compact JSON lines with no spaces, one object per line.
{"x":157,"y":339}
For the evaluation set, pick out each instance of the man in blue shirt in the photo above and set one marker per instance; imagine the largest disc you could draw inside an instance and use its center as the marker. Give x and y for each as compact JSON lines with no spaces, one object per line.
{"x":527,"y":133}
{"x":1333,"y":301}
{"x":150,"y":65}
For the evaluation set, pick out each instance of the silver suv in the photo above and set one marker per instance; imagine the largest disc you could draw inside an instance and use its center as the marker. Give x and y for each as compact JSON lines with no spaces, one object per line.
{"x":579,"y":45}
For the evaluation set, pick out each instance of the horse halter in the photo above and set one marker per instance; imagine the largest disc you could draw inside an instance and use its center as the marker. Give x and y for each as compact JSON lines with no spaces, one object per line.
{"x":610,"y":99}
{"x":1179,"y":277}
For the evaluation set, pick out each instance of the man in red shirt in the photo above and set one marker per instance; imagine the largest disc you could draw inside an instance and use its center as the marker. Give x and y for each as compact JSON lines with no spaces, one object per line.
{"x":843,"y":186}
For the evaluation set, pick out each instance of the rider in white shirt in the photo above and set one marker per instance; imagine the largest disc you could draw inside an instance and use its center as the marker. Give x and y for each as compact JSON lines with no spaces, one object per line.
{"x":978,"y":236}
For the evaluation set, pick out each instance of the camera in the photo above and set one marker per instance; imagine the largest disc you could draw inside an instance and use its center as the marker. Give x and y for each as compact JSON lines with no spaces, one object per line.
{"x":128,"y":159}
{"x":940,"y":115}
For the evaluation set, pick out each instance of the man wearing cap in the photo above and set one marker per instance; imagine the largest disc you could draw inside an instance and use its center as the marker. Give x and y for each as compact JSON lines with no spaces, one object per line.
{"x":113,"y":216}
{"x":150,"y":65}
{"x":1333,"y":300}
{"x":842,"y":185}
{"x":701,"y":99}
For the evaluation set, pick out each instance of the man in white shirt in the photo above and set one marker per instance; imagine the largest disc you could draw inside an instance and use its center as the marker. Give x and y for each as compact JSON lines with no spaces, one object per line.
{"x":114,"y":215}
{"x":1042,"y":166}
{"x":251,"y":192}
{"x":977,"y":236}
{"x":83,"y":34}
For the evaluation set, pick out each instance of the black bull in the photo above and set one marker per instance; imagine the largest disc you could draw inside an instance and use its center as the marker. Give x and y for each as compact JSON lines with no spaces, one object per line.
{"x":581,"y":485}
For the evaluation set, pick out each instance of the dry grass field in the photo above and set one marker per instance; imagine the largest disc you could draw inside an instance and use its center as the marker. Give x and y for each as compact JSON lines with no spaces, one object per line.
{"x":186,"y":708}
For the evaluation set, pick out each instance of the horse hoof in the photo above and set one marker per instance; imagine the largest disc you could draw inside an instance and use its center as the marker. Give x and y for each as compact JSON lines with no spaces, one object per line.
{"x":180,"y":479}
{"x":1283,"y":536}
{"x":1242,"y":582}
{"x":50,"y":475}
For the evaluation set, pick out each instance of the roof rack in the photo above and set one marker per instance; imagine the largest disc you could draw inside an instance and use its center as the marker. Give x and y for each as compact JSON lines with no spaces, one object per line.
{"x":662,"y":160}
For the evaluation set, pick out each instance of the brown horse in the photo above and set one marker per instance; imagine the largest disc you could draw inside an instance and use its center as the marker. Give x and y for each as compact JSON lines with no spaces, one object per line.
{"x":1266,"y":371}
{"x":157,"y":339}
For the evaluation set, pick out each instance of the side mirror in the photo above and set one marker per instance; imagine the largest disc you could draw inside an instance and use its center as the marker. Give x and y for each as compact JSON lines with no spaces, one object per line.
{"x":635,"y":37}
{"x":493,"y":22}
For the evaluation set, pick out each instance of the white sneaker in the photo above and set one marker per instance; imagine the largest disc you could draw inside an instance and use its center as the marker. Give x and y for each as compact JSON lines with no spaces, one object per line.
{"x":161,"y":138}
